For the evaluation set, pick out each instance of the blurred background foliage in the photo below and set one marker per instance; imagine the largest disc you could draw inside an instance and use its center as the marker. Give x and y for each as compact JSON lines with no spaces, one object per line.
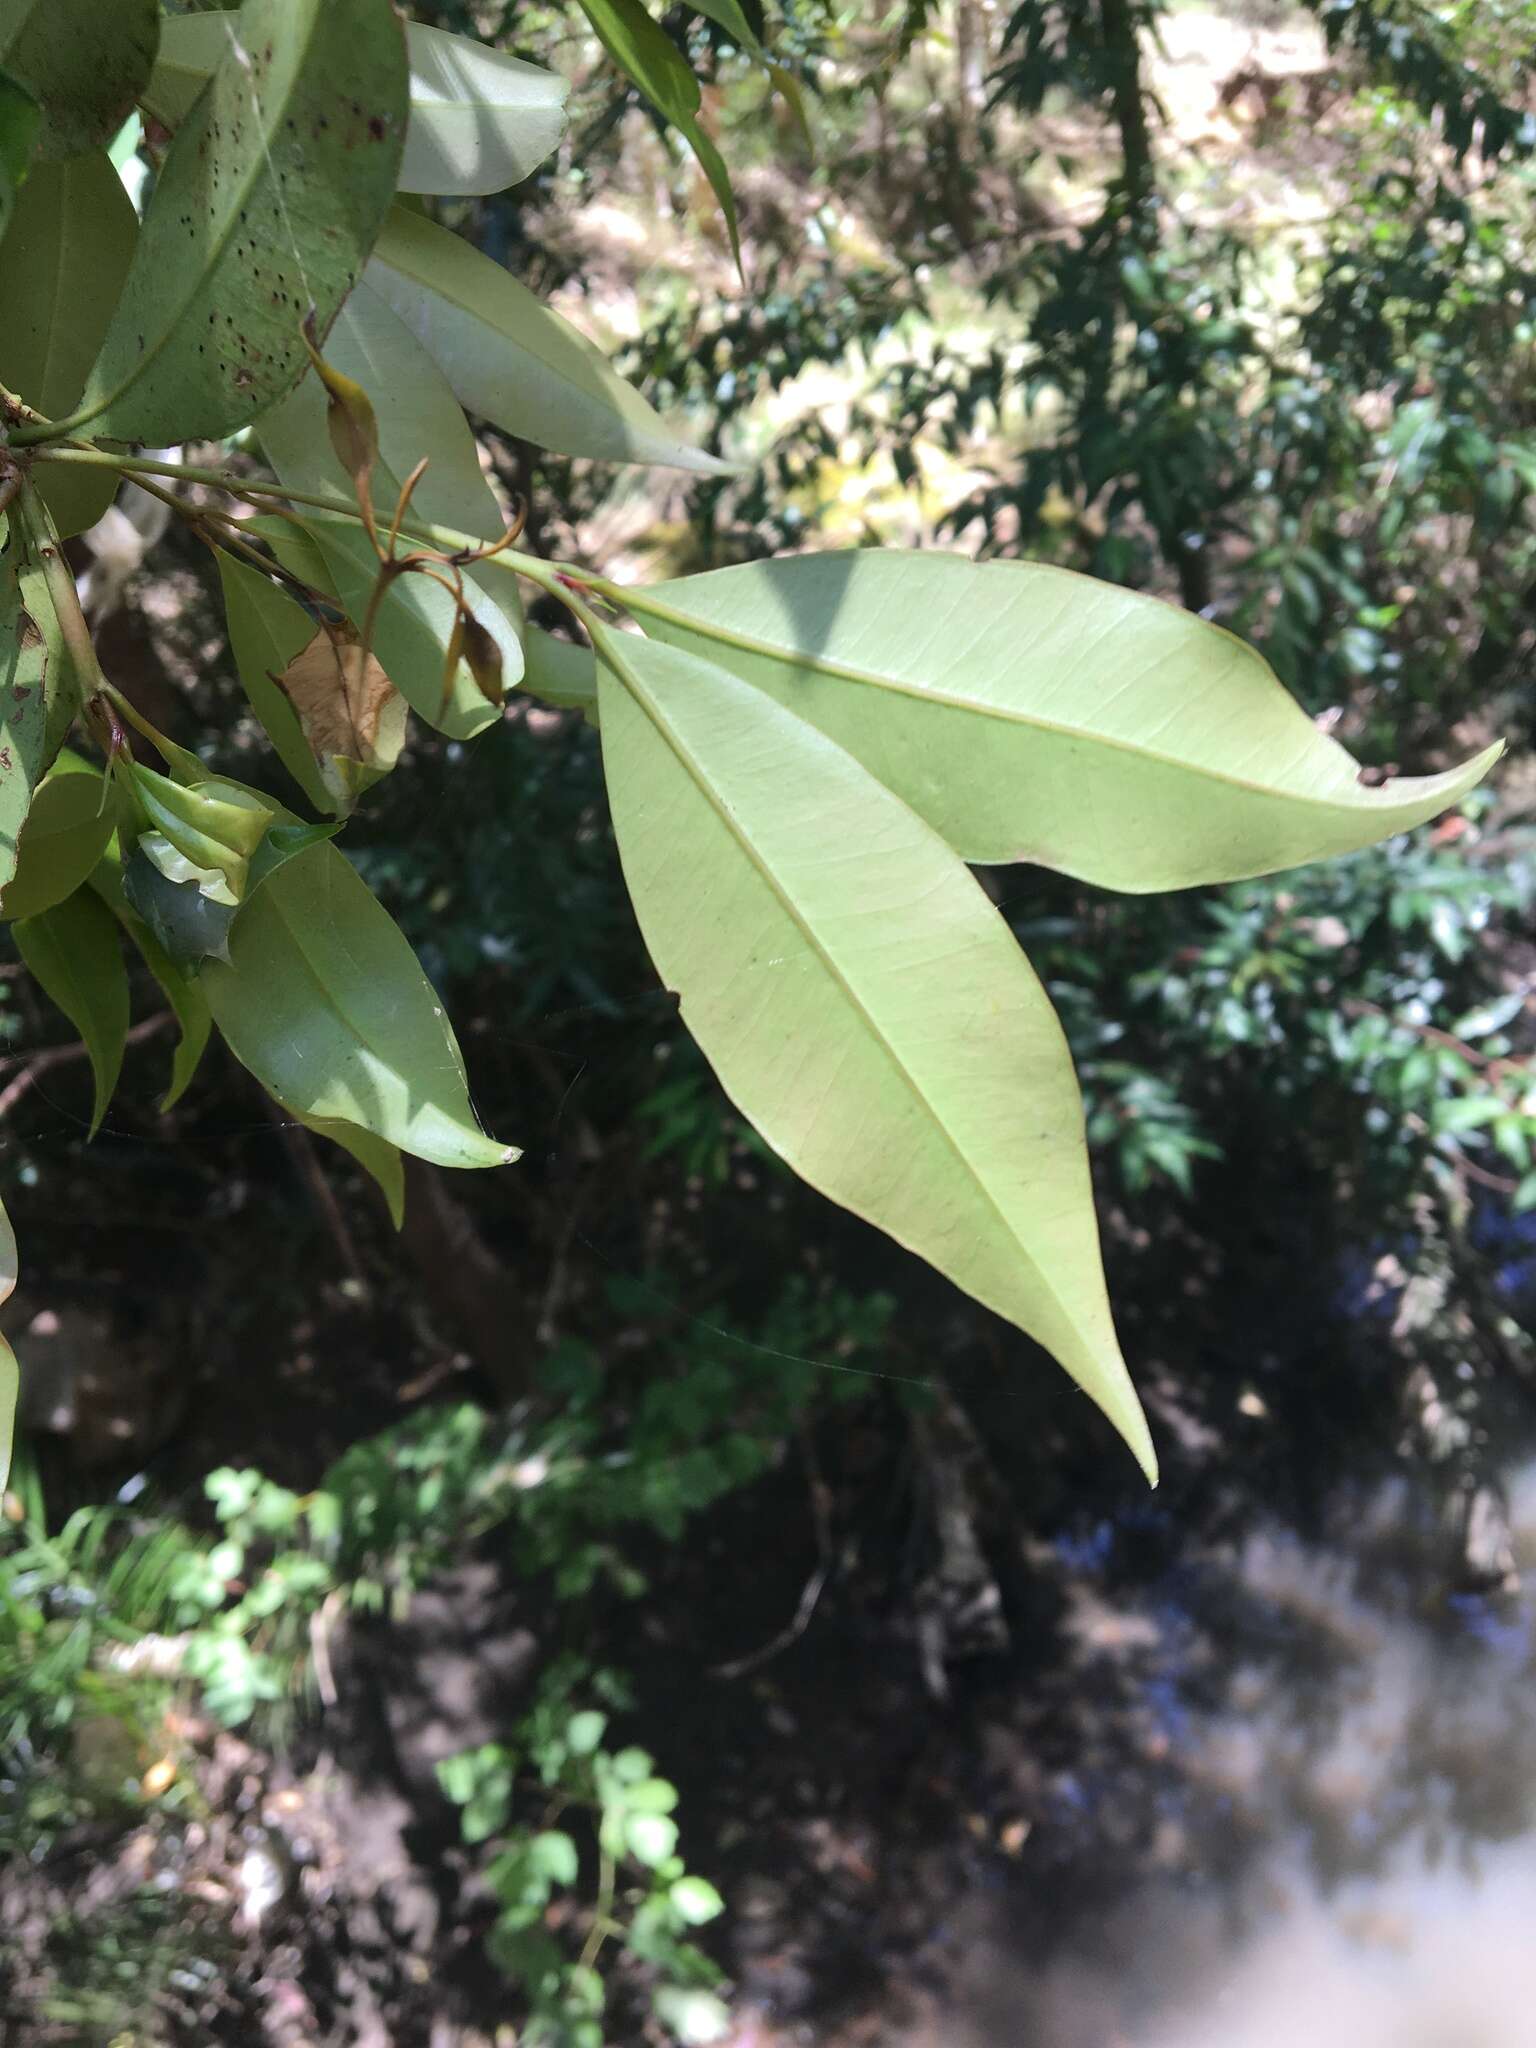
{"x":366,"y":1604}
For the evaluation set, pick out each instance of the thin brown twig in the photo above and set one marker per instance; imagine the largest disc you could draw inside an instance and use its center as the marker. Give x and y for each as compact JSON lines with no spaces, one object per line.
{"x":33,"y":1065}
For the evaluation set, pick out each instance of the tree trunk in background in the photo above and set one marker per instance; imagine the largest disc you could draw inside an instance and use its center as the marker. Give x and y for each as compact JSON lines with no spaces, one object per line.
{"x":467,"y":1288}
{"x":1122,"y":47}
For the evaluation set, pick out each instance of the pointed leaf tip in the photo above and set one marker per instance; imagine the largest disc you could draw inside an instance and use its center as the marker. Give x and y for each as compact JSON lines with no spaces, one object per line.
{"x":1032,"y":714}
{"x":859,"y":997}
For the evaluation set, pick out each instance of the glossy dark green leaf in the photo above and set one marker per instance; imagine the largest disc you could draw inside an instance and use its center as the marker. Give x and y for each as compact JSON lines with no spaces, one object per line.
{"x":731,"y":16}
{"x":324,"y":1001}
{"x":84,"y":62}
{"x":20,"y":120}
{"x":189,"y":1006}
{"x":63,"y":260}
{"x":74,"y":953}
{"x":62,"y":840}
{"x":269,"y":200}
{"x":188,"y":926}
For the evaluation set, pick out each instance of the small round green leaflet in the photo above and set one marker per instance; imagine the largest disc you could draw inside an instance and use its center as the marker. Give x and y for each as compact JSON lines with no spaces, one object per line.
{"x":859,"y":997}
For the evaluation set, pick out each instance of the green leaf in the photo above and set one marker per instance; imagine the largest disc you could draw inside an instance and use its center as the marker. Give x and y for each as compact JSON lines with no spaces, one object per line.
{"x":324,"y":1002}
{"x":729,"y":15}
{"x":860,"y":999}
{"x":35,"y":703}
{"x":693,"y":2017}
{"x":560,"y":673}
{"x":188,"y":926}
{"x":9,"y":1378}
{"x":376,"y":1156}
{"x":584,"y":1731}
{"x":552,"y":1855}
{"x":511,"y":359}
{"x":215,"y":825}
{"x":62,"y":266}
{"x":84,"y":61}
{"x":66,"y":830}
{"x":74,"y":954}
{"x":189,"y":1006}
{"x":413,"y":626}
{"x":647,"y":55}
{"x":696,"y":1900}
{"x":650,"y":1837}
{"x":267,"y":204}
{"x":1031,"y":714}
{"x":417,"y":415}
{"x":479,"y":120}
{"x":266,"y":630}
{"x":20,"y":119}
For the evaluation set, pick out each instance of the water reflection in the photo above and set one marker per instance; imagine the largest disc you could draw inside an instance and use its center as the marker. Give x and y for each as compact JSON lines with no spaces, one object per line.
{"x":1324,"y":1784}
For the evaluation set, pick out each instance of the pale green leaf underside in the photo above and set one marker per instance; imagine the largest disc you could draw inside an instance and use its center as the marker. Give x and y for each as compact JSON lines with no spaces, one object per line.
{"x":326,"y":1004}
{"x":859,"y":997}
{"x":513,"y":360}
{"x":417,"y":415}
{"x":479,"y":121}
{"x":560,"y":673}
{"x":62,"y":265}
{"x":1032,"y":714}
{"x":74,"y":954}
{"x":269,"y":199}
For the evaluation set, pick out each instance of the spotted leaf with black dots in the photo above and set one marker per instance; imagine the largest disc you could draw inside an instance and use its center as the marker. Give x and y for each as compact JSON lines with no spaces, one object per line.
{"x":265,"y":210}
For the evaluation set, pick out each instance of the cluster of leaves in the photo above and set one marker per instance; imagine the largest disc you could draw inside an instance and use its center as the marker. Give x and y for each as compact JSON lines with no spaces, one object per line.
{"x":812,"y":737}
{"x":645,"y":1899}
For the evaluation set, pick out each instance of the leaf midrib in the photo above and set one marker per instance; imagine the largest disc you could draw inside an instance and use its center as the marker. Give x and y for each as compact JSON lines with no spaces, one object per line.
{"x":641,"y":601}
{"x":733,"y":824}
